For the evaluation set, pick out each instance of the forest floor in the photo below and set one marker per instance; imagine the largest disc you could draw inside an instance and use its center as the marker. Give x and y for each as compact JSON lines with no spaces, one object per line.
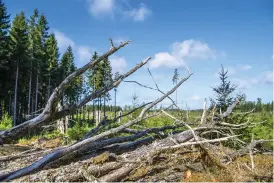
{"x":183,"y":165}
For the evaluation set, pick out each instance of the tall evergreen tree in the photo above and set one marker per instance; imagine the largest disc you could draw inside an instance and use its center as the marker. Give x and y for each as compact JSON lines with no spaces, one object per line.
{"x":19,"y":47}
{"x":33,"y":41}
{"x":223,"y":92}
{"x":52,"y":53}
{"x":5,"y":65}
{"x":42,"y":62}
{"x":67,"y":66}
{"x":91,"y":77}
{"x":107,"y":79}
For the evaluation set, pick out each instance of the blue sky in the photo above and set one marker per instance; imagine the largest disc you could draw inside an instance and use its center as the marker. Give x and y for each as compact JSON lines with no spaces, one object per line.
{"x":199,"y":34}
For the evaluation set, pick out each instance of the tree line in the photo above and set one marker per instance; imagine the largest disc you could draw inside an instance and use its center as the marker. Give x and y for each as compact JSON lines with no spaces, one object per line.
{"x":31,"y":67}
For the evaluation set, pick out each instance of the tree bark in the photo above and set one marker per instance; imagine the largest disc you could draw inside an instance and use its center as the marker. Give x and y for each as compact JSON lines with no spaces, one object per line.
{"x":29,"y":96}
{"x":15,"y":95}
{"x":36,"y":92}
{"x":115,"y":90}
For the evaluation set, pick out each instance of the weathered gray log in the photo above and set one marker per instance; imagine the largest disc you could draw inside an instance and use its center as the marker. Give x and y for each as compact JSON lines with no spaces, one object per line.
{"x":245,"y":150}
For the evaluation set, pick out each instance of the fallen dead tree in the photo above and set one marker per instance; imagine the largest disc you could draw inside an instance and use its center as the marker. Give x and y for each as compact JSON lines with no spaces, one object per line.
{"x":138,"y":148}
{"x":132,"y":155}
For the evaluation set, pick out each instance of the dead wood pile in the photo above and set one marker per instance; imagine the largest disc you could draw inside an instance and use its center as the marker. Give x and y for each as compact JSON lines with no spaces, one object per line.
{"x":152,"y":154}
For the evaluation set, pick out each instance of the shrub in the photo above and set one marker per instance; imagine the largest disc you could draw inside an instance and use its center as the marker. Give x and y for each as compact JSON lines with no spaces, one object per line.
{"x":78,"y":131}
{"x":6,"y":122}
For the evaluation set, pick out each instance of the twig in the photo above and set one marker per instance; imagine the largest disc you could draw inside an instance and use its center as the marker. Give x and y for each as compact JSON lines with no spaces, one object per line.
{"x":195,"y":143}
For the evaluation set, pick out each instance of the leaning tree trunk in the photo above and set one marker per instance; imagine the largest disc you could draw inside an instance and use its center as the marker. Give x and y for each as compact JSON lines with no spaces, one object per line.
{"x":15,"y":95}
{"x":50,"y":112}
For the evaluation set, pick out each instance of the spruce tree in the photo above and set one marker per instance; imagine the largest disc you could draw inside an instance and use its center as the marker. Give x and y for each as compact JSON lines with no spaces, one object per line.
{"x":223,"y":92}
{"x":107,"y":80}
{"x":91,"y":79}
{"x":4,"y":37}
{"x":52,"y":53}
{"x":67,"y":66}
{"x":33,"y":41}
{"x":42,"y":62}
{"x":5,"y":65}
{"x":19,"y":47}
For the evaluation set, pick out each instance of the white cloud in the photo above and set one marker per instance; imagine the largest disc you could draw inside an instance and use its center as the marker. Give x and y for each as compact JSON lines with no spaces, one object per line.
{"x":63,"y":41}
{"x":245,"y":67}
{"x":99,"y":7}
{"x":164,"y":59}
{"x":263,"y":78}
{"x":193,"y":49}
{"x":195,"y":97}
{"x":234,"y":69}
{"x":180,"y":51}
{"x":84,"y":53}
{"x":113,"y":7}
{"x":139,"y":14}
{"x":118,"y":64}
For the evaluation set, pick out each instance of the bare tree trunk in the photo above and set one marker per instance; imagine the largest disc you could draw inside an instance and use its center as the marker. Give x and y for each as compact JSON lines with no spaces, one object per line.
{"x":49,"y":87}
{"x":88,"y":113}
{"x":36,"y":92}
{"x":15,"y":95}
{"x":176,"y":92}
{"x":10,"y":104}
{"x":1,"y":109}
{"x":29,"y":100}
{"x":115,"y":90}
{"x":104,"y":105}
{"x":93,"y":111}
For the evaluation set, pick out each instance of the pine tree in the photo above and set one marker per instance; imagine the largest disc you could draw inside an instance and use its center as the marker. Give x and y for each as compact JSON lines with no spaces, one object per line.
{"x":4,"y":38}
{"x":91,"y":82}
{"x":19,"y":47}
{"x":223,"y":92}
{"x":5,"y":65}
{"x":107,"y":80}
{"x":33,"y":41}
{"x":52,"y":53}
{"x":42,"y":62}
{"x":67,"y":66}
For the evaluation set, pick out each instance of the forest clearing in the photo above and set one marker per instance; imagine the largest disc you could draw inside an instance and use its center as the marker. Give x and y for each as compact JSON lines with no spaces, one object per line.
{"x":58,"y":123}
